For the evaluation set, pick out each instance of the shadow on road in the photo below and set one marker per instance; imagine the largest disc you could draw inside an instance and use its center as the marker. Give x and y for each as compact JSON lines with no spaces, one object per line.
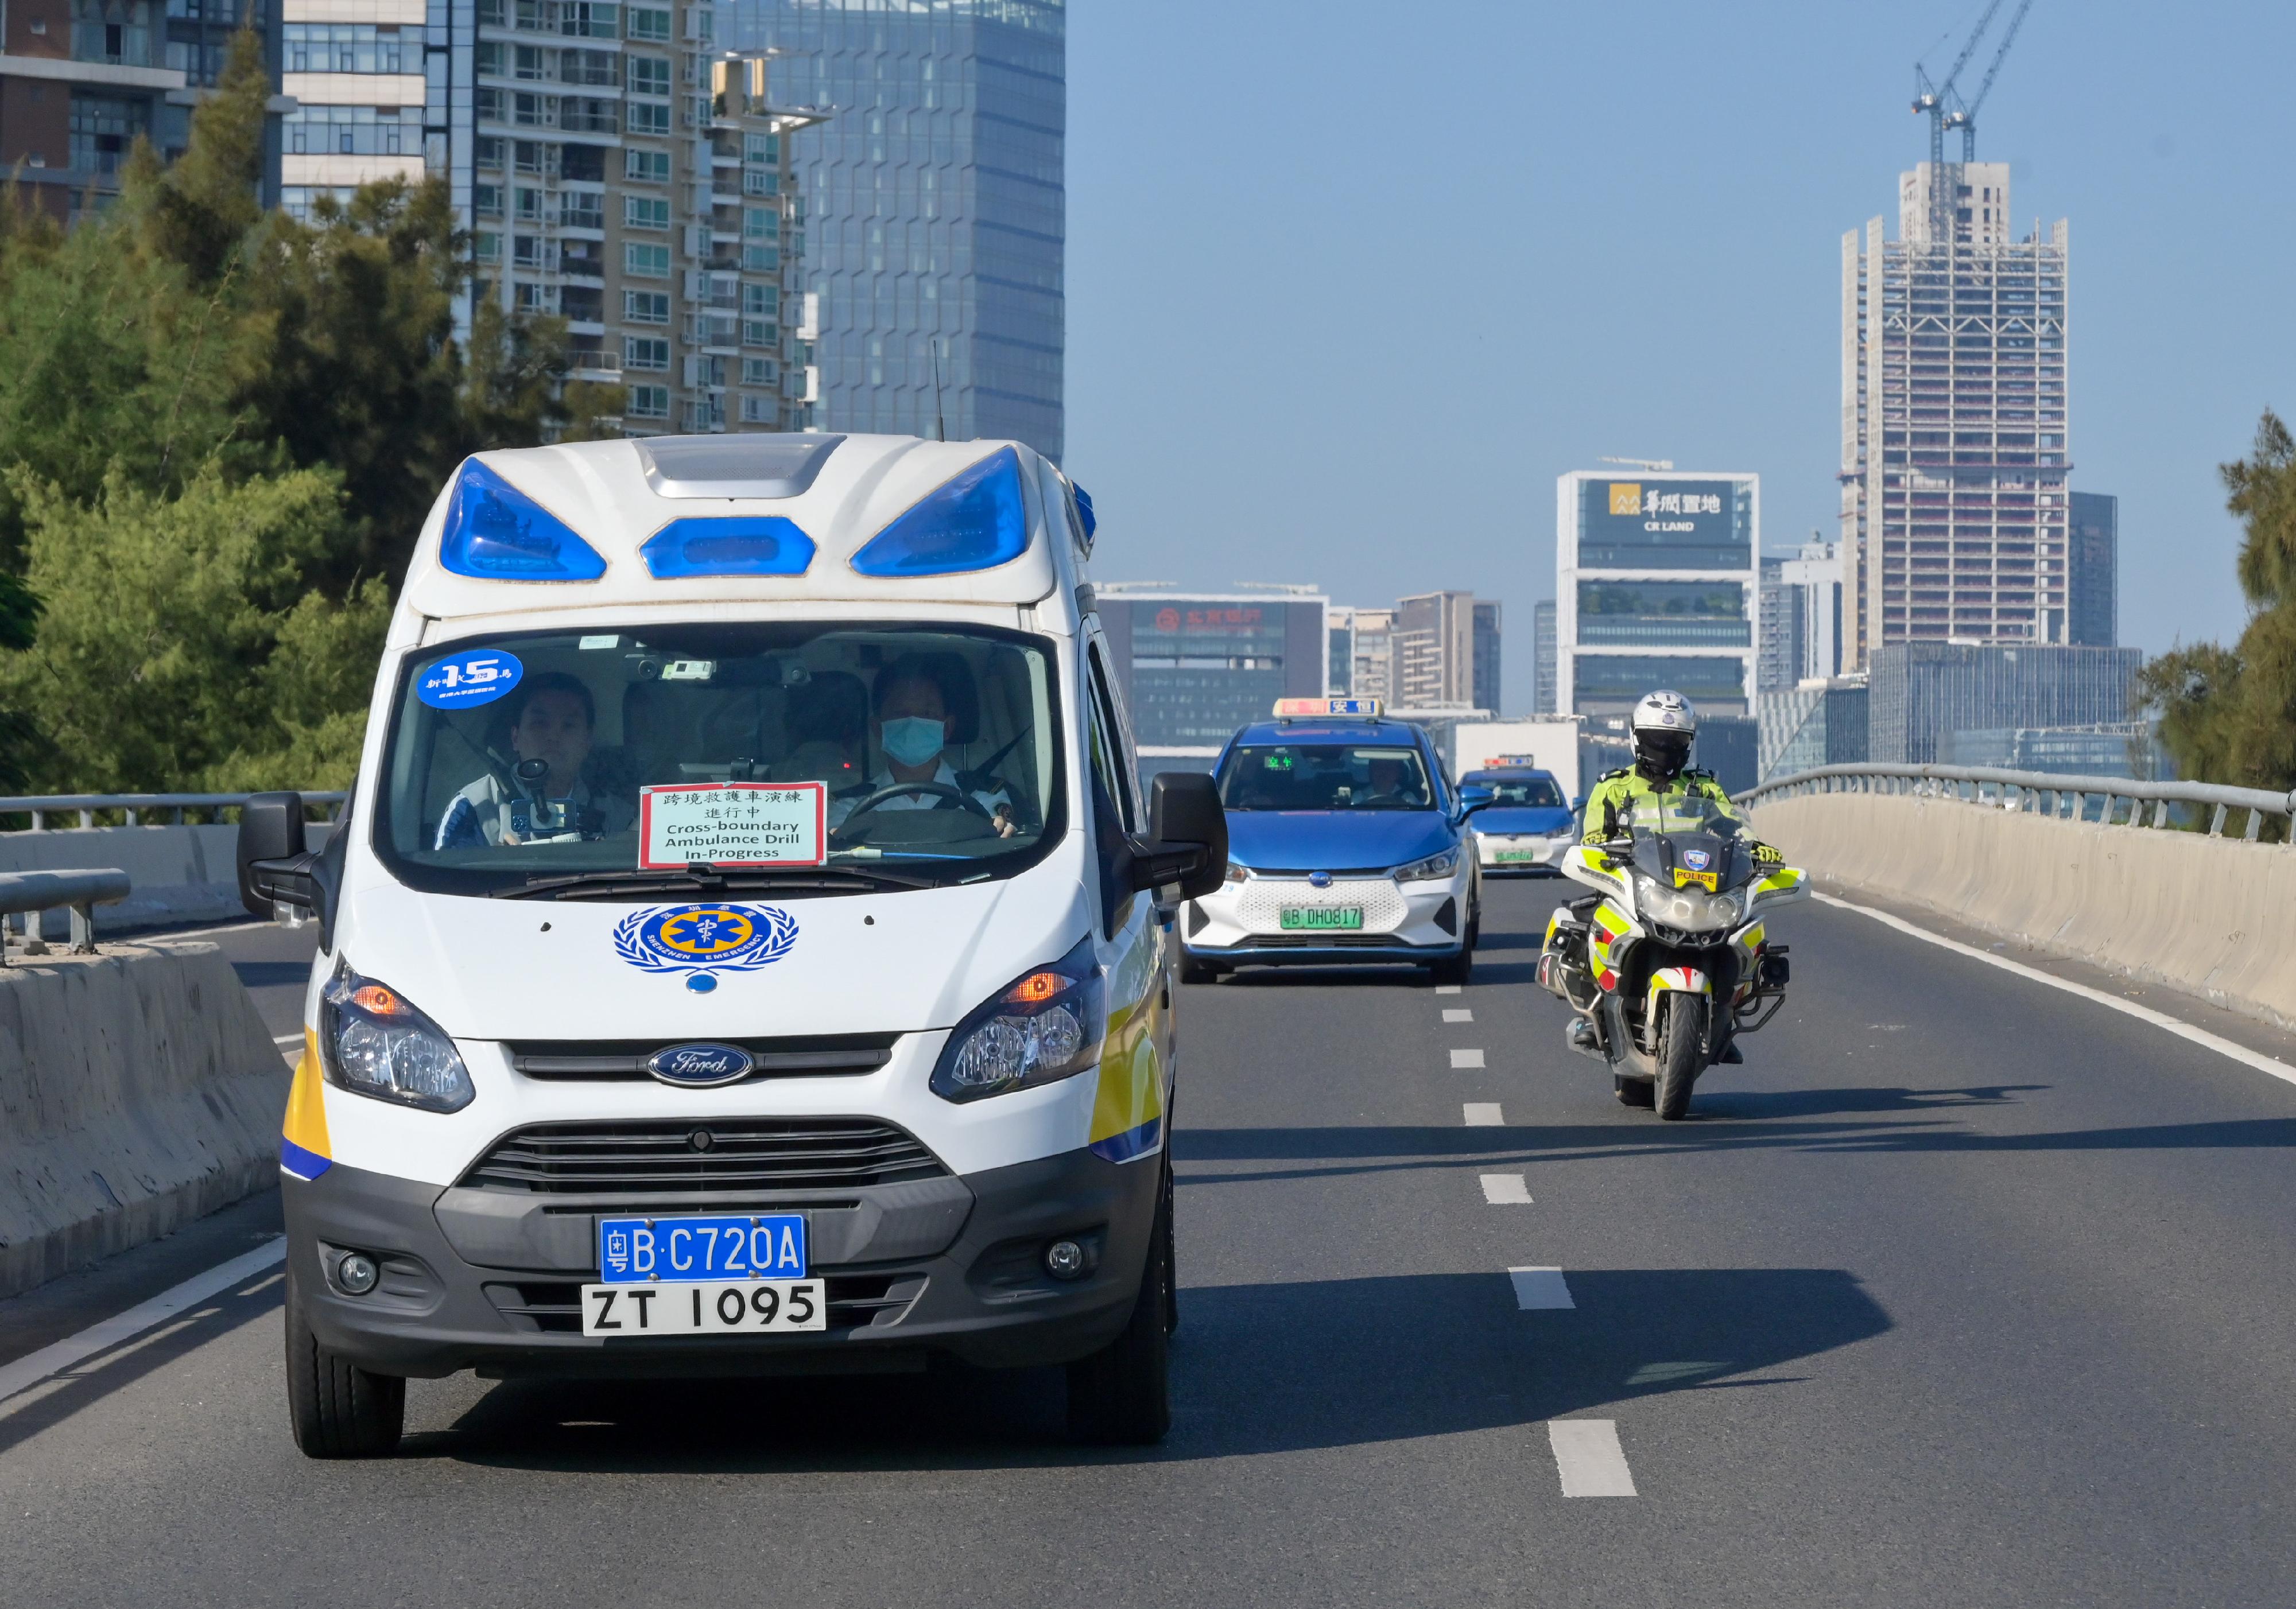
{"x":1262,"y":1368}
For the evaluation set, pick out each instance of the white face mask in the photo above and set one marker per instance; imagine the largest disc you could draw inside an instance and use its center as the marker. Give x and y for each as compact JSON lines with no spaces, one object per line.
{"x":912,"y":739}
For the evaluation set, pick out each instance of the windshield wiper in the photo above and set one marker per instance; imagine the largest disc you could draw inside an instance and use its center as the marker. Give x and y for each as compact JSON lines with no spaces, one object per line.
{"x":825,"y":879}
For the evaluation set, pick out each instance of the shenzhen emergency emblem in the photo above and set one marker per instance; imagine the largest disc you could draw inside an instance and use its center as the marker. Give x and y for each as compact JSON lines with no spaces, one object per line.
{"x":702,"y":941}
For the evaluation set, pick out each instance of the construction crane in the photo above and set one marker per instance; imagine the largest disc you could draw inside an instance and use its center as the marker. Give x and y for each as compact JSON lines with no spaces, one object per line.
{"x":1965,"y":119}
{"x":1942,"y":104}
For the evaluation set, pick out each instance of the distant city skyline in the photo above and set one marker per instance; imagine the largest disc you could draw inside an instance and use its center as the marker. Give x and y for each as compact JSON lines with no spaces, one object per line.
{"x":1677,"y":299}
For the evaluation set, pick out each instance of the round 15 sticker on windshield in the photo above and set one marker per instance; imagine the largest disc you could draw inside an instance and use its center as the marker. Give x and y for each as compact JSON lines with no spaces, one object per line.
{"x":734,"y":824}
{"x":474,"y":676}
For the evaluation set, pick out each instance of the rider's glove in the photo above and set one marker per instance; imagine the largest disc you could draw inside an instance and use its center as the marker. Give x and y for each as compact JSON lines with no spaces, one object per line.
{"x":1764,"y":855}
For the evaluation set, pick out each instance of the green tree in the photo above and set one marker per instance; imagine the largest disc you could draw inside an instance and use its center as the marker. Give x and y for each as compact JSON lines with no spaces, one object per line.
{"x":19,"y":734}
{"x":178,"y":645}
{"x":2229,"y":714}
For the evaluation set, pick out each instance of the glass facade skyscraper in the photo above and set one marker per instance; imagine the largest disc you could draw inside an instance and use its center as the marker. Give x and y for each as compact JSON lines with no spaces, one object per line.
{"x":936,"y":207}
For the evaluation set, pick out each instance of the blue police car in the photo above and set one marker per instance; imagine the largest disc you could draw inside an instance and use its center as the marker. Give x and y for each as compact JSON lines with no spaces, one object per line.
{"x":1347,"y":843}
{"x":1526,"y":822}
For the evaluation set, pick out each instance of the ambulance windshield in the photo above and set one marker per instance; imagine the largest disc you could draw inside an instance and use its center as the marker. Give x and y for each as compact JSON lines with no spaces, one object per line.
{"x":830,"y":757}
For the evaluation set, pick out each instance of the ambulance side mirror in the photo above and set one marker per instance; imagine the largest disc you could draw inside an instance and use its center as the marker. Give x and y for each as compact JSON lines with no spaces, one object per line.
{"x":1187,"y":836}
{"x":270,"y":828}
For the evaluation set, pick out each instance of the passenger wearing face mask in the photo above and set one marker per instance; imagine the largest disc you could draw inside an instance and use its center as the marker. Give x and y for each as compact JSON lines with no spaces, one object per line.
{"x":910,"y":723}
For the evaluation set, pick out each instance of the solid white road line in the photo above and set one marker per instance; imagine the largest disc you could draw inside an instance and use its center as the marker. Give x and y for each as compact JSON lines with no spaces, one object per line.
{"x":1592,"y":1463}
{"x":1484,"y":1115}
{"x":295,"y":1039}
{"x":2184,"y":1030}
{"x":58,"y":1356}
{"x":1446,"y":988}
{"x":1457,"y":1014}
{"x":1462,"y":1060}
{"x":1505,"y":1189}
{"x":1537,"y":1288}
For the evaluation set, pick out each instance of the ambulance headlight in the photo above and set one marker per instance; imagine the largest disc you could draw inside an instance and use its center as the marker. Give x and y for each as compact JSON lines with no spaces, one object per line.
{"x":1046,"y":1025}
{"x":374,"y":1043}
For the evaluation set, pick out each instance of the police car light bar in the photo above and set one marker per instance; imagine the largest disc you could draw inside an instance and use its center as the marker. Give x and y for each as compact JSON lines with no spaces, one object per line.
{"x":1327,"y":706}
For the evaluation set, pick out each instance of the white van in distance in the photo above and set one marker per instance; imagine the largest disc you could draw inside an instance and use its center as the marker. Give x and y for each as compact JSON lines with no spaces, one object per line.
{"x":746,"y":948}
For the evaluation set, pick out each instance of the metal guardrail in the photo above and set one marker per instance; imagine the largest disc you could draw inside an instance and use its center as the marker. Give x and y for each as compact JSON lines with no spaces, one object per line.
{"x":138,"y":809}
{"x":32,"y":893}
{"x":2041,"y":791}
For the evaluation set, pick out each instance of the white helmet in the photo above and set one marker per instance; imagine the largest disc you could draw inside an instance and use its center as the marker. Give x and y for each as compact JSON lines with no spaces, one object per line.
{"x":1664,"y":726}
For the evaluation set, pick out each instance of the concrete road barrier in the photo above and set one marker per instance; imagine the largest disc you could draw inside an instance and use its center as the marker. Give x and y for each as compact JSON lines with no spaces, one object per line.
{"x":2206,"y":915}
{"x":138,"y":1090}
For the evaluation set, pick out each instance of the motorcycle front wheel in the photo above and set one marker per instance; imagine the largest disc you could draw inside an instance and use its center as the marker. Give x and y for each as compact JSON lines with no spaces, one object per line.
{"x":1681,"y":1053}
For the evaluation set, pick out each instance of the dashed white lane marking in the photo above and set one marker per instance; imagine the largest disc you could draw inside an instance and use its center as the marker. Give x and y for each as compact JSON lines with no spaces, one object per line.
{"x":1592,"y":1463}
{"x":1457,"y":1014}
{"x":1446,"y":988}
{"x":1461,"y":1059}
{"x":1484,"y":1115}
{"x":1505,"y":1189}
{"x":58,"y":1356}
{"x":295,"y":1039}
{"x":1540,"y":1287}
{"x":2201,"y":1037}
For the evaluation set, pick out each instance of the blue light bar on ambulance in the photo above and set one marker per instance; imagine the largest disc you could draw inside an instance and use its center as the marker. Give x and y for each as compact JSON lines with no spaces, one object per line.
{"x":759,"y":545}
{"x":1327,"y":706}
{"x":976,"y":522}
{"x":495,"y":532}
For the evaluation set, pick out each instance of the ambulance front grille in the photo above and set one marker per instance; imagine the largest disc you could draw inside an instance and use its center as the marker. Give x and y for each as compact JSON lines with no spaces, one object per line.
{"x":711,"y":1155}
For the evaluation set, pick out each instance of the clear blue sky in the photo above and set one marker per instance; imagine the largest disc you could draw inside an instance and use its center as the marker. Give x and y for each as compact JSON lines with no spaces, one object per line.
{"x":1350,"y":284}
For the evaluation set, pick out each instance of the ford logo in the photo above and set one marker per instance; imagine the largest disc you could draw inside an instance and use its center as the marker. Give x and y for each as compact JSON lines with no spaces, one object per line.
{"x":1319,"y":879}
{"x":697,"y":1067}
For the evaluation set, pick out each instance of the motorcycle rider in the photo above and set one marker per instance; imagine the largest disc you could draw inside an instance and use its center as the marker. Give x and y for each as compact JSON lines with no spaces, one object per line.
{"x":1663,"y":728}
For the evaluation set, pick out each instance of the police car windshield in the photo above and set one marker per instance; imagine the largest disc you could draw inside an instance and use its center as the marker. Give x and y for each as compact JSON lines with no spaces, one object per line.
{"x":1517,"y":788}
{"x":1325,"y":776}
{"x":751,"y":749}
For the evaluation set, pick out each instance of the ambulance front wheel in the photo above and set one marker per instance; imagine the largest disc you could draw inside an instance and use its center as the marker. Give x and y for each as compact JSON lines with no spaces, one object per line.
{"x":1121,"y":1395}
{"x":339,"y":1409}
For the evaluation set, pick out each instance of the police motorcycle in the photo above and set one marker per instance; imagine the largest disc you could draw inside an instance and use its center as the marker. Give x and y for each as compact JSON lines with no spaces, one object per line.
{"x":1672,"y":960}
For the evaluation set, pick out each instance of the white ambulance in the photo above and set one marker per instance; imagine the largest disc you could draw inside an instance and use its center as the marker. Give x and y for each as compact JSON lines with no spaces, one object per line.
{"x":747,"y":949}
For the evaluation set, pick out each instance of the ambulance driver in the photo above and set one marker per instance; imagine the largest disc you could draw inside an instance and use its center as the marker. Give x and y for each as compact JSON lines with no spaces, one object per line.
{"x":551,"y":721}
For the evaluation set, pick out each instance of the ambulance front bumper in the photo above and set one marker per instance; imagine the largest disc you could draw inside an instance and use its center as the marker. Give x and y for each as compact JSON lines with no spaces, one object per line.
{"x":491,"y":1280}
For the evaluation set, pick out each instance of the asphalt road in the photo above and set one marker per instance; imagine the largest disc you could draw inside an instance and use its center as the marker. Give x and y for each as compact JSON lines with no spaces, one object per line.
{"x":1963,"y":1291}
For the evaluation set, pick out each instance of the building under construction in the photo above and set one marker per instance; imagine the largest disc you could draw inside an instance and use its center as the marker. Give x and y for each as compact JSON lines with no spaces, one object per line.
{"x":1954,"y":447}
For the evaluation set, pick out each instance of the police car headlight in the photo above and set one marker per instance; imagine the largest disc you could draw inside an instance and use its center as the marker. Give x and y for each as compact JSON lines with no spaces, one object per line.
{"x":1686,"y":910}
{"x":1434,"y":866}
{"x":374,"y":1043}
{"x":1045,"y":1026}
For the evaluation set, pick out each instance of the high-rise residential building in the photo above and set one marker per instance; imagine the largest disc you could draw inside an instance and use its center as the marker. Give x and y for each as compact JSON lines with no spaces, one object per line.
{"x":1371,"y":647}
{"x":2094,"y":569}
{"x":1194,"y":666}
{"x":1446,"y":651}
{"x":359,"y":72}
{"x":614,"y":168}
{"x":1954,"y":436}
{"x":81,"y":81}
{"x":1542,"y":648}
{"x":939,"y":207}
{"x":1655,"y":586}
{"x":1801,"y":616}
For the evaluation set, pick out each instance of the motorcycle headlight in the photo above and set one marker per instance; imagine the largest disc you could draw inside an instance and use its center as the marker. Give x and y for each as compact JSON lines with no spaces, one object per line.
{"x":1434,"y":866}
{"x":1045,"y":1026}
{"x":373,"y":1042}
{"x":1686,"y":909}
